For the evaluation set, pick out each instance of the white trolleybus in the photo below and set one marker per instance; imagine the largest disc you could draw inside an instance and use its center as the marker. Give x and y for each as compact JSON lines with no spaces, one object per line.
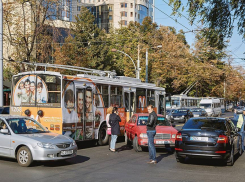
{"x":183,"y":101}
{"x":76,"y":105}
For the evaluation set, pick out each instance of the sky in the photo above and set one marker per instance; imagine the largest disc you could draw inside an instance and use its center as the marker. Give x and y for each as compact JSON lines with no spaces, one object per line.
{"x":163,"y":17}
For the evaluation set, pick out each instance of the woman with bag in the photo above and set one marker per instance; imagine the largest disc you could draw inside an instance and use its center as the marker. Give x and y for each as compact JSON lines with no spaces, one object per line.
{"x":115,"y":128}
{"x":109,"y":112}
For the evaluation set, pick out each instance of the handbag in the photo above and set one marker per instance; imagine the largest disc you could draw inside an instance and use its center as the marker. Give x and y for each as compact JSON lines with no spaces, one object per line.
{"x":108,"y":131}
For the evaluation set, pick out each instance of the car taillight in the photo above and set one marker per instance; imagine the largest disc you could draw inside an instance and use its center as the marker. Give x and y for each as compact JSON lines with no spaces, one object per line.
{"x":178,"y":137}
{"x":222,"y":139}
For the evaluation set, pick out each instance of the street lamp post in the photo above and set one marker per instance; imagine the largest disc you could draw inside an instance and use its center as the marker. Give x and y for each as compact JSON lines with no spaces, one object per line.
{"x":137,"y":70}
{"x":146,"y":62}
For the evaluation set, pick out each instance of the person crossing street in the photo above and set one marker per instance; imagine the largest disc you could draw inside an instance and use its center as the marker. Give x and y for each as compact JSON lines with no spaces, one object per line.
{"x":151,"y":132}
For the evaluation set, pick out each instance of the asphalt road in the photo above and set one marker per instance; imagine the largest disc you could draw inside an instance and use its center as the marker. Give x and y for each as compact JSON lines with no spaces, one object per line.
{"x":97,"y":163}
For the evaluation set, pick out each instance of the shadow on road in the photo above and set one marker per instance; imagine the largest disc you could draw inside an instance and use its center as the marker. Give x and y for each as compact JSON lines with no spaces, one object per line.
{"x":208,"y":162}
{"x":124,"y":147}
{"x":75,"y":160}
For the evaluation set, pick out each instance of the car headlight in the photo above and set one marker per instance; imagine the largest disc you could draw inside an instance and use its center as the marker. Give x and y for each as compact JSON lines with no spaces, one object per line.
{"x":73,"y":143}
{"x":173,"y":136}
{"x":143,"y":135}
{"x":46,"y":145}
{"x":171,"y":116}
{"x":182,"y":116}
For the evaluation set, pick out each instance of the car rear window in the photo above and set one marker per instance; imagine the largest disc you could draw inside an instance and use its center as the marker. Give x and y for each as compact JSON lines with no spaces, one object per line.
{"x":161,"y":121}
{"x":217,"y":124}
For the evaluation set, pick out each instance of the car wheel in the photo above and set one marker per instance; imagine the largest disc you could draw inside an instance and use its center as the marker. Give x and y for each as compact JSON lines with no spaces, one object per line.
{"x":103,"y":136}
{"x":127,"y":141}
{"x":230,"y":160}
{"x":136,"y":146}
{"x":240,"y":150}
{"x":24,"y":157}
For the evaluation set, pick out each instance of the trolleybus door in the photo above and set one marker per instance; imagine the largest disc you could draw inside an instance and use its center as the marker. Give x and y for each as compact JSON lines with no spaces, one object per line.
{"x":130,"y":101}
{"x":88,"y":114}
{"x":80,"y":108}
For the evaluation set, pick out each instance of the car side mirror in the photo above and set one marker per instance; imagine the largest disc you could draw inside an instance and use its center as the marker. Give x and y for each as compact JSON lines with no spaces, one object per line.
{"x":4,"y":131}
{"x":173,"y":125}
{"x":236,"y":129}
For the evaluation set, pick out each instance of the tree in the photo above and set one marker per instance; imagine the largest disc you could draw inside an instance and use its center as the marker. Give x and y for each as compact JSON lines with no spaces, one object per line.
{"x":26,"y":26}
{"x":86,"y":45}
{"x":218,"y":17}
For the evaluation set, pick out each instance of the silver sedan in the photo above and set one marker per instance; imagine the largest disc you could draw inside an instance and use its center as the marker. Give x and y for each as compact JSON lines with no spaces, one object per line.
{"x":27,"y":140}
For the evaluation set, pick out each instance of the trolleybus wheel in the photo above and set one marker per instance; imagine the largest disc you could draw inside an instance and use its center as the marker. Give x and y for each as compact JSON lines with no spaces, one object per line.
{"x":103,"y":136}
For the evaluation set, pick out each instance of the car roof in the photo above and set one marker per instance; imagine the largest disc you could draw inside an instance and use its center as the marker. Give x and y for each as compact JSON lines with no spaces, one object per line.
{"x":210,"y":118}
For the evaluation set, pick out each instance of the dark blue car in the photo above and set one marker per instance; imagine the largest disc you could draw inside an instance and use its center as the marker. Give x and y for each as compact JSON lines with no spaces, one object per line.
{"x":215,"y":138}
{"x":180,"y":115}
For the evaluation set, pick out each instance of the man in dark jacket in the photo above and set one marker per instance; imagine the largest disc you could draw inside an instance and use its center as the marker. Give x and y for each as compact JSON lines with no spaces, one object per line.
{"x":151,"y":132}
{"x":115,"y":128}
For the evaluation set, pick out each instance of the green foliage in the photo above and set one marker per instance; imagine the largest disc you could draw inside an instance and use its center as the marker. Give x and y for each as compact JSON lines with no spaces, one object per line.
{"x":218,"y":16}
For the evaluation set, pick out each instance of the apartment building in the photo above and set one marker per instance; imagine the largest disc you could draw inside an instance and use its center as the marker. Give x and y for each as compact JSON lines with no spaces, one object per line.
{"x":115,"y":13}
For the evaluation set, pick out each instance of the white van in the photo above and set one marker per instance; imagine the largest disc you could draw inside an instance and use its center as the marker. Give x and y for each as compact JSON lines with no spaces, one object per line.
{"x":211,"y":105}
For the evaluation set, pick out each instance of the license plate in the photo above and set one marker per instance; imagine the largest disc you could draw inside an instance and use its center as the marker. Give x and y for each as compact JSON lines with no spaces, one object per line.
{"x":205,"y":139}
{"x":196,"y":115}
{"x":162,"y":142}
{"x":66,"y":152}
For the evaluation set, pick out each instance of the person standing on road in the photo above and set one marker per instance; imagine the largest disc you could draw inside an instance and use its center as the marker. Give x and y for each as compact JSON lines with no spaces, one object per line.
{"x":115,"y":128}
{"x":109,"y":112}
{"x":151,"y":132}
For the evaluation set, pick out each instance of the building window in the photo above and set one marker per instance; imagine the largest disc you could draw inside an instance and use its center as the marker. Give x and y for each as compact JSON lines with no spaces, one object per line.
{"x":79,"y":8}
{"x":123,"y":5}
{"x":132,"y":5}
{"x":110,"y":17}
{"x":79,"y":1}
{"x":131,"y":14}
{"x":124,"y":13}
{"x":138,"y":16}
{"x":135,"y":15}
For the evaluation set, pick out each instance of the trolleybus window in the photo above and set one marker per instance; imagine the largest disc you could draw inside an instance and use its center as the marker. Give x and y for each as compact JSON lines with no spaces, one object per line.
{"x":36,"y":90}
{"x":116,"y":97}
{"x":53,"y":92}
{"x":140,"y":96}
{"x":151,"y":97}
{"x":103,"y":89}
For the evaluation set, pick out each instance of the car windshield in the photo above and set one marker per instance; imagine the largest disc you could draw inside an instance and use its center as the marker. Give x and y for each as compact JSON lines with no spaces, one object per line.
{"x":25,"y":126}
{"x":180,"y":111}
{"x":196,"y":110}
{"x":217,"y":124}
{"x":161,"y":121}
{"x":205,"y":106}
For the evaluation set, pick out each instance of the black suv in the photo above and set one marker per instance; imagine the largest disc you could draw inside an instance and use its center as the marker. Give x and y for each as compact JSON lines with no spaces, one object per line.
{"x":208,"y":137}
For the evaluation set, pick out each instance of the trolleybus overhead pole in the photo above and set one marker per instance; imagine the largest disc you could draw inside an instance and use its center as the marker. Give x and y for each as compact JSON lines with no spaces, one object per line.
{"x":111,"y":74}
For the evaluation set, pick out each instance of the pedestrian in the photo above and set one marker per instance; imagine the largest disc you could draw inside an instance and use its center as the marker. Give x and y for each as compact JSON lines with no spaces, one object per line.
{"x":151,"y":132}
{"x":115,"y":128}
{"x":109,"y":112}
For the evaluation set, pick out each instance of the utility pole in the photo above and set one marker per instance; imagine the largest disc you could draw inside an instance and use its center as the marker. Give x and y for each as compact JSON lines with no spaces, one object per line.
{"x":146,"y":66}
{"x":138,"y":64}
{"x":1,"y":53}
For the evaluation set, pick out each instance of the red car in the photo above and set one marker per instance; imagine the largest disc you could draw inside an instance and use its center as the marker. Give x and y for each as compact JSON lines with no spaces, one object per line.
{"x":135,"y":132}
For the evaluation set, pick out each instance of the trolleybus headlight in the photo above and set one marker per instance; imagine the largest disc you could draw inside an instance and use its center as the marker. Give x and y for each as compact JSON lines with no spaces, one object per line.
{"x":27,"y":112}
{"x":40,"y":113}
{"x":46,"y":145}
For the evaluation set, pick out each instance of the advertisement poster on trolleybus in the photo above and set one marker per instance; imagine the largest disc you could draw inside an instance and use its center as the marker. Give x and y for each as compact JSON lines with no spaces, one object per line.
{"x":33,"y":94}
